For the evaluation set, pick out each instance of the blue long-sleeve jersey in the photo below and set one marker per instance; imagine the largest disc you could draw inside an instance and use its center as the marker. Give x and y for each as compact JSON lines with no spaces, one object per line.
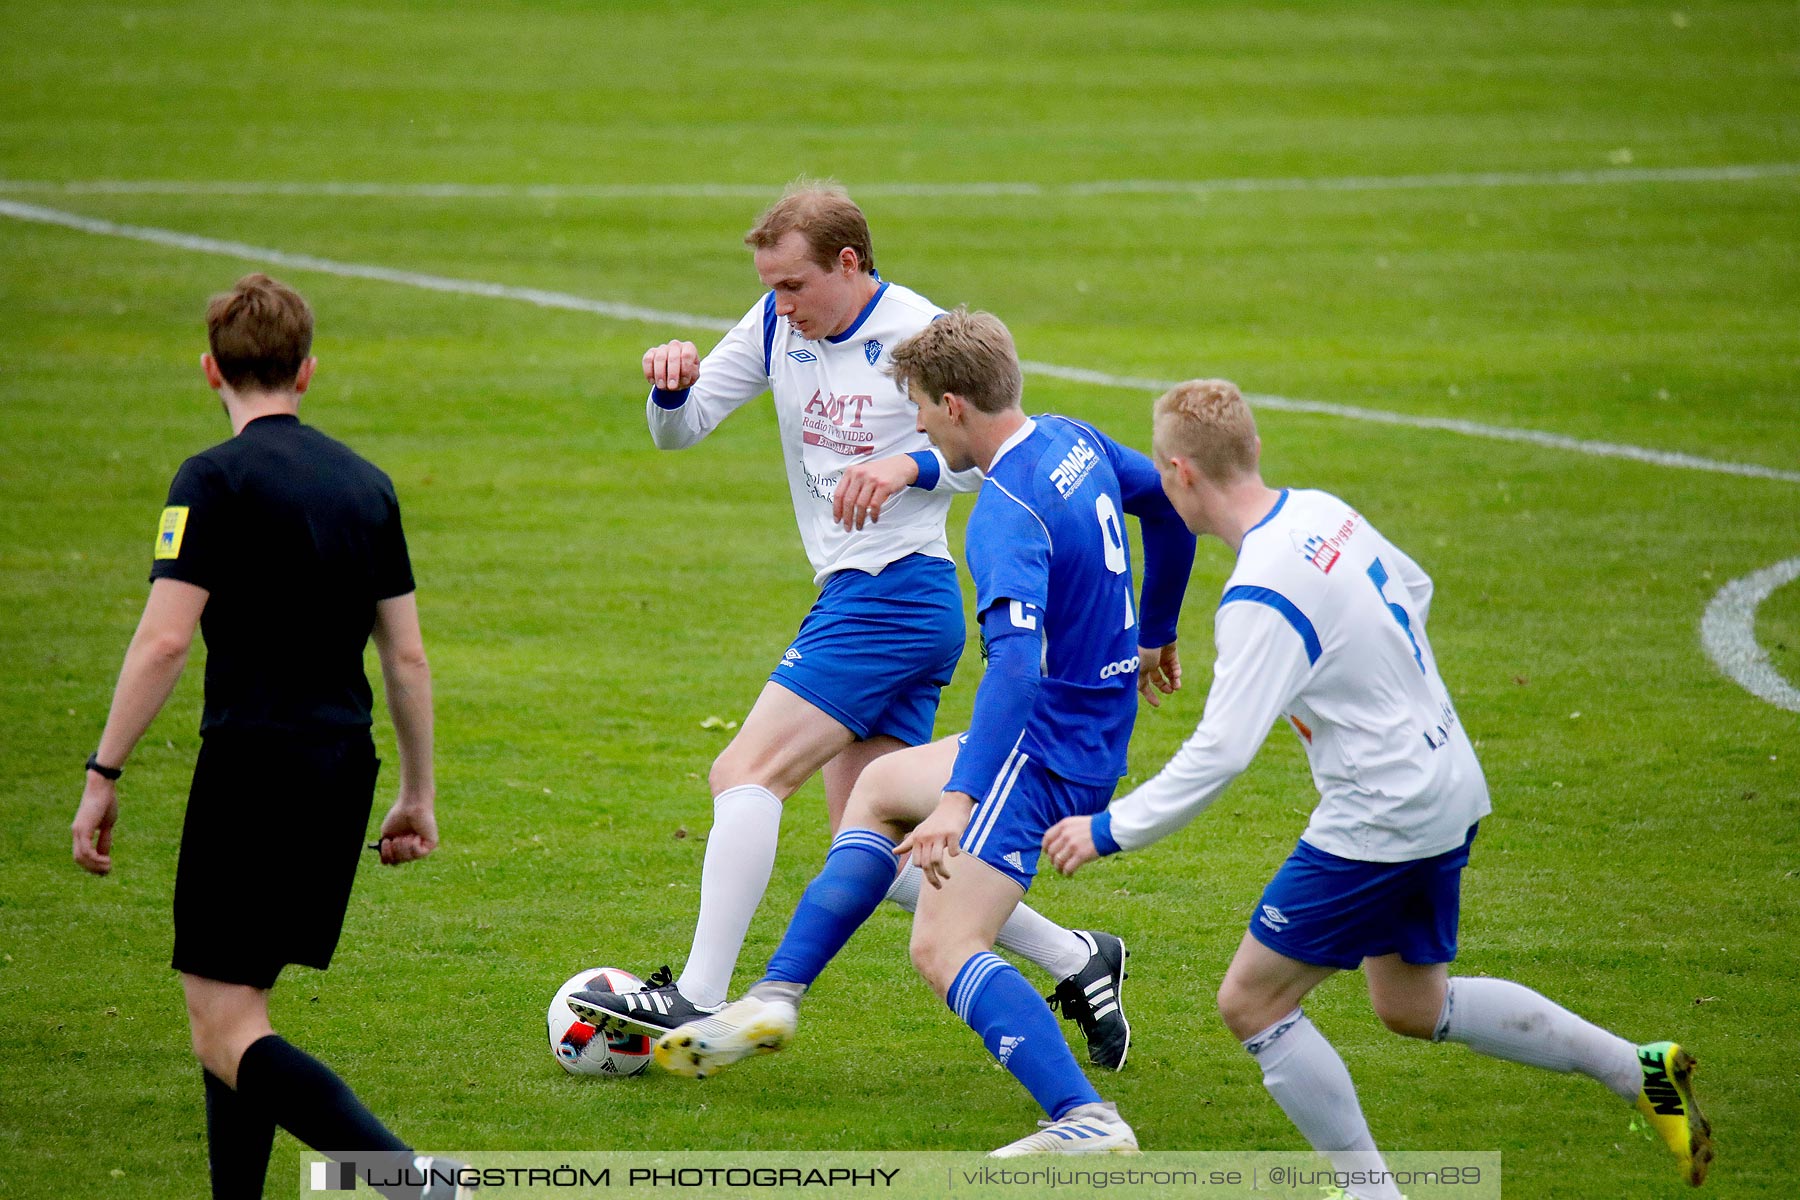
{"x":1047,"y":547}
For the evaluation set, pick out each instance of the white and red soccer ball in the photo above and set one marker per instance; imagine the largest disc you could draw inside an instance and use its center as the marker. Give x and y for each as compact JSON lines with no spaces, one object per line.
{"x":583,"y":1049}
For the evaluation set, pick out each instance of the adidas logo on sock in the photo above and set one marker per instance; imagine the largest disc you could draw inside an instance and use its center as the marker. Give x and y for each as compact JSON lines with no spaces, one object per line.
{"x":1007,"y":1046}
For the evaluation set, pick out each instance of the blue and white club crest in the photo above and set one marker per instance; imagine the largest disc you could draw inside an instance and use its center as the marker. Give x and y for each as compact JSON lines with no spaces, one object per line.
{"x":871,"y":350}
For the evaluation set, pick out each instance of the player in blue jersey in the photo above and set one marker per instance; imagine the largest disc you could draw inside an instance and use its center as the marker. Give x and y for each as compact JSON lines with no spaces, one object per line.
{"x":1047,"y":547}
{"x":1323,"y":622}
{"x":861,"y":678}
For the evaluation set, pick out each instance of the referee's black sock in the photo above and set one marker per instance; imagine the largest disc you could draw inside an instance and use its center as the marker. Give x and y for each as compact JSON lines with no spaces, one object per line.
{"x":238,"y":1139}
{"x":306,"y":1098}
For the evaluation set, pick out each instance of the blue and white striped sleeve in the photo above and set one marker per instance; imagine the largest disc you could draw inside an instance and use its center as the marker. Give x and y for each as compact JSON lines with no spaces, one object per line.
{"x":935,"y":472}
{"x":732,"y":374}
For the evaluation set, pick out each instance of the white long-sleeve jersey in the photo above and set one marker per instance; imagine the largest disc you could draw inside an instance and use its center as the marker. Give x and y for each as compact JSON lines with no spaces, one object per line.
{"x":835,"y":408}
{"x":1323,"y":622}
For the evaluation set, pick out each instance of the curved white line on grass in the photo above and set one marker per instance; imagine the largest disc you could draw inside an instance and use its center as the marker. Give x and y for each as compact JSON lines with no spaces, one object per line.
{"x":1740,"y":173}
{"x":657,"y":316}
{"x":1728,"y":632}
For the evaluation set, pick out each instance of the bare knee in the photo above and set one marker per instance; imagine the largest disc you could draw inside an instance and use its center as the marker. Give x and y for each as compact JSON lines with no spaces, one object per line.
{"x":886,"y":794}
{"x":1408,"y":1015}
{"x":736,"y":767}
{"x":937,"y":958}
{"x":1246,"y":1012}
{"x":223,"y":1021}
{"x":1408,"y":999}
{"x":220,"y":1040}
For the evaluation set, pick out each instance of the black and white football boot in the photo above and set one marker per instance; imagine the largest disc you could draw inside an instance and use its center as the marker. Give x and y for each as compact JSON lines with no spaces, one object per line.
{"x":653,"y":1011}
{"x":1093,"y":998}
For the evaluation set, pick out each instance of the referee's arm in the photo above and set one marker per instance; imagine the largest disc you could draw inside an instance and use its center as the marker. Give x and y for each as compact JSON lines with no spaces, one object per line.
{"x":153,"y":663}
{"x":410,"y":829}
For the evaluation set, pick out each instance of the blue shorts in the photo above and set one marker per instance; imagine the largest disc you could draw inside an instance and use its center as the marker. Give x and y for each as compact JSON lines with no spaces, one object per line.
{"x":876,"y":649}
{"x":1006,"y":830}
{"x":1335,"y":912}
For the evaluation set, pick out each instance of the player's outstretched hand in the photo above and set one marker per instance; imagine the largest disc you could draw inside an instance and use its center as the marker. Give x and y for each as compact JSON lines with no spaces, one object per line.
{"x":673,"y":366}
{"x":1070,"y":843}
{"x":408,"y":832}
{"x":865,"y":487}
{"x":93,"y":827}
{"x":1159,"y":670}
{"x":938,"y":839}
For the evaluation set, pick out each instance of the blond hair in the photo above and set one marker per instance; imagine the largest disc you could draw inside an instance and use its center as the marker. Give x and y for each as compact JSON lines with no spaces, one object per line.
{"x":1206,"y":422}
{"x":260,"y":333}
{"x":968,"y":353}
{"x":821,"y":211}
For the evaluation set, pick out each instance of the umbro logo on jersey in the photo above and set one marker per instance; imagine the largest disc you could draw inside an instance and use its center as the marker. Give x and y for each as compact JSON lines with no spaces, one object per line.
{"x":803,"y":356}
{"x":1007,"y":1046}
{"x":871,"y":350}
{"x":1013,"y":860}
{"x":1271,"y":916}
{"x":792,"y":656}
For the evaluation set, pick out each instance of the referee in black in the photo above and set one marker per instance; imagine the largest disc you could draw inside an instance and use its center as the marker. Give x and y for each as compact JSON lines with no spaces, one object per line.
{"x":285,"y":548}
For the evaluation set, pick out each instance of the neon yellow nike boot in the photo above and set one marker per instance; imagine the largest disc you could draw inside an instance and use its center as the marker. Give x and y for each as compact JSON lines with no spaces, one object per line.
{"x":1667,"y":1101}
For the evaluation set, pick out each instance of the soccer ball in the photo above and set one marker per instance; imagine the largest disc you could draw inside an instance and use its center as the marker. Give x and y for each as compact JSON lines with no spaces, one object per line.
{"x":584,"y":1050}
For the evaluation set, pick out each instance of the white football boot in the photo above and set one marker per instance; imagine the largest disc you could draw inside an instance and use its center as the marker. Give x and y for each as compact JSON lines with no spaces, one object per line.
{"x":1089,"y":1129}
{"x":707,"y":1046}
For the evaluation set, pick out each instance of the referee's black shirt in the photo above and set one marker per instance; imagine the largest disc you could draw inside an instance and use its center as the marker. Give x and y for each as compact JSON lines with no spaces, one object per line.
{"x":296,"y":538}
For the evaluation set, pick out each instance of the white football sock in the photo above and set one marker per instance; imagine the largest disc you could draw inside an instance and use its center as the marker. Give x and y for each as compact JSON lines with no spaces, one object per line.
{"x":1508,"y":1020}
{"x":905,"y":890}
{"x":1310,"y":1082}
{"x":740,"y":857}
{"x":1060,"y":952}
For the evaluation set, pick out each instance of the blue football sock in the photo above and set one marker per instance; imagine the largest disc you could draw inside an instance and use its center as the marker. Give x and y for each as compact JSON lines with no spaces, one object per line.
{"x":1019,"y":1029}
{"x":858,"y":871}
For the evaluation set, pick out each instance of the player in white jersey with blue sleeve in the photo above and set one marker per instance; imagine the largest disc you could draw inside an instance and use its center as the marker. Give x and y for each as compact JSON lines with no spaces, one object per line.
{"x":1323,"y":623}
{"x":870,"y":495}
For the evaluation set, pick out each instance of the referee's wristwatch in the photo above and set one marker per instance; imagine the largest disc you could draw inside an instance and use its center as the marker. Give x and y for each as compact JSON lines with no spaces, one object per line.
{"x":93,"y":764}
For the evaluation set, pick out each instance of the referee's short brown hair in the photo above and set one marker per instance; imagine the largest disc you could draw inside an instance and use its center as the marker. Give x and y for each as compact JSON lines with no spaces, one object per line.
{"x":260,"y":333}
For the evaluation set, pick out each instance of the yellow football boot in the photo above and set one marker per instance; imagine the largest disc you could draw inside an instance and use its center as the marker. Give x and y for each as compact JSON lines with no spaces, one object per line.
{"x":1667,"y":1101}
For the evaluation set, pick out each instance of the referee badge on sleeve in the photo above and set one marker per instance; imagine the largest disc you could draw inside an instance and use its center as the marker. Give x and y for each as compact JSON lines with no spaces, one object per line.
{"x":169,"y":535}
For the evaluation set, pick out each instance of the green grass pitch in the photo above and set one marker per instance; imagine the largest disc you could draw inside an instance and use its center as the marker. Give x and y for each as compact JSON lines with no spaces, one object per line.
{"x":589,"y":602}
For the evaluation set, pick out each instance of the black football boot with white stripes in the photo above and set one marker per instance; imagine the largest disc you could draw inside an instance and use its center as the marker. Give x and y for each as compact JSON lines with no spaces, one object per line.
{"x":1093,"y":999}
{"x":653,"y":1011}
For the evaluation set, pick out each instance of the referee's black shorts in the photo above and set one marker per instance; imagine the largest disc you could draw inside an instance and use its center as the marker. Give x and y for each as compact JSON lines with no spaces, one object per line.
{"x":275,"y":825}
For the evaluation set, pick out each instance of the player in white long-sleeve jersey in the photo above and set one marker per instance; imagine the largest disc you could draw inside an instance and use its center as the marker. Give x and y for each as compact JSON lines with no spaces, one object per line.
{"x":1323,"y":623}
{"x":863,"y":674}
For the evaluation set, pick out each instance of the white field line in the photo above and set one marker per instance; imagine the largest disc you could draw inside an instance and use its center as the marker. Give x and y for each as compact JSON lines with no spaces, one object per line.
{"x":1727,"y":629}
{"x":327,"y":266}
{"x":1728,"y":632}
{"x":655,"y":316}
{"x":755,"y":191}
